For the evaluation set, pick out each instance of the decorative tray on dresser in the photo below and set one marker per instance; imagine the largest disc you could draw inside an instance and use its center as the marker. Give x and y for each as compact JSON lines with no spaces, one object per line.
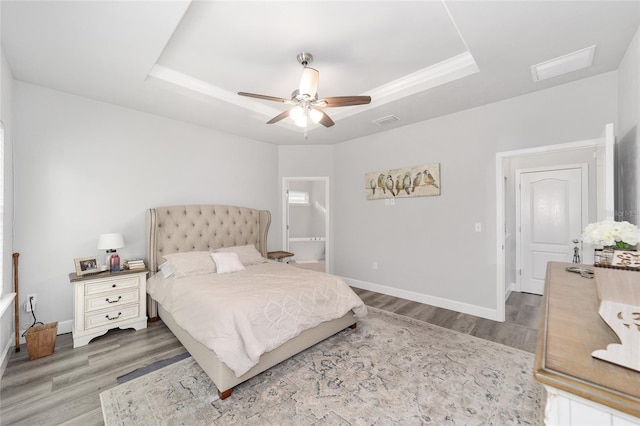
{"x":108,"y":300}
{"x":581,"y":389}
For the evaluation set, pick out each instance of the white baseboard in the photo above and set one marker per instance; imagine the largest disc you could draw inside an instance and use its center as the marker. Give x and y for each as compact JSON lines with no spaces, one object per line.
{"x":511,"y":287}
{"x":453,"y":305}
{"x":5,"y":355}
{"x":64,"y":327}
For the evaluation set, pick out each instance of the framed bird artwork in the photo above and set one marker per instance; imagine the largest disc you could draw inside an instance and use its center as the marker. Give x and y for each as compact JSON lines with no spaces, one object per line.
{"x":419,"y":181}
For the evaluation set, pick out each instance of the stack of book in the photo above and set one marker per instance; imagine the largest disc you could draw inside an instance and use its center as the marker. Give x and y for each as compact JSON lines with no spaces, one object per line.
{"x":134,"y":264}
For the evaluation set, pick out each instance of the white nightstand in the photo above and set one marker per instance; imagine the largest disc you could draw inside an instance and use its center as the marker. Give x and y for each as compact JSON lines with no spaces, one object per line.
{"x":105,"y":301}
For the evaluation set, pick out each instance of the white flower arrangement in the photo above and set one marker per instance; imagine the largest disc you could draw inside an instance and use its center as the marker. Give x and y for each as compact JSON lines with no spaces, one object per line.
{"x":608,"y":233}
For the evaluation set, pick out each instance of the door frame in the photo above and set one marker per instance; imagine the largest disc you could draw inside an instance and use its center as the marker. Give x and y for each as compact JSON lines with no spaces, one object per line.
{"x":584,"y":190}
{"x":285,"y":213}
{"x":605,"y":205}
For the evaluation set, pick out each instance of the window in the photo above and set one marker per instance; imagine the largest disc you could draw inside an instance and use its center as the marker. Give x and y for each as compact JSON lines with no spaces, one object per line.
{"x":2,"y":256}
{"x":5,"y":298}
{"x":299,"y":198}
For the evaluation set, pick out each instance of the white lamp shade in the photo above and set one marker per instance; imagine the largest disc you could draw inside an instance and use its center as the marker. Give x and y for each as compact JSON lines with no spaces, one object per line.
{"x":315,"y":115}
{"x":309,"y":81}
{"x":298,"y":115}
{"x":110,"y":241}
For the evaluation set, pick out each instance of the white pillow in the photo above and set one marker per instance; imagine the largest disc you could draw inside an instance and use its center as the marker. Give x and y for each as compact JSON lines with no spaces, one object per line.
{"x":166,"y":269}
{"x":189,"y":263}
{"x":248,"y":254}
{"x":227,"y":262}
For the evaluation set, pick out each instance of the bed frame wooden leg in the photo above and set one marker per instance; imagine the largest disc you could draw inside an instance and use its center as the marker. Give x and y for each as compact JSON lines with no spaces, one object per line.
{"x":353,"y":326}
{"x":153,"y":319}
{"x":226,"y":394}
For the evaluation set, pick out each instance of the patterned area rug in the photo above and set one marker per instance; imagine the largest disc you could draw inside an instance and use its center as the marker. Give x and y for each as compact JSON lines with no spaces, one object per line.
{"x":389,"y":370}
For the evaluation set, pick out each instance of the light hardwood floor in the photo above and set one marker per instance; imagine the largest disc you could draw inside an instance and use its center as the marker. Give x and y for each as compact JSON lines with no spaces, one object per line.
{"x":64,"y":388}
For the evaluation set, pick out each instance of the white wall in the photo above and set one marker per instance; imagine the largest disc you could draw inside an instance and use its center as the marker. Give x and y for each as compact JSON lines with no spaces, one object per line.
{"x":628,"y":141}
{"x":84,"y":168}
{"x":426,"y":247}
{"x":6,"y":318}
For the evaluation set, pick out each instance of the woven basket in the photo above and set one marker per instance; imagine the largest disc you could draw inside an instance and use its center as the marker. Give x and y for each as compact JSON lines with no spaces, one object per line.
{"x":41,"y":340}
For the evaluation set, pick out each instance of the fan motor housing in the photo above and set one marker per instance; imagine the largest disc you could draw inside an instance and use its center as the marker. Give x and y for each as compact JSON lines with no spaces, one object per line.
{"x":304,"y":58}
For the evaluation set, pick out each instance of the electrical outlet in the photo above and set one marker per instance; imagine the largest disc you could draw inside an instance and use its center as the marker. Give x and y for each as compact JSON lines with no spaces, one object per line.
{"x":375,"y":265}
{"x":34,"y":298}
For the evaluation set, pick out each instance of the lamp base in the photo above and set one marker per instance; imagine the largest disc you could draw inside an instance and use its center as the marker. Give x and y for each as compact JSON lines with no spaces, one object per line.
{"x":114,"y":263}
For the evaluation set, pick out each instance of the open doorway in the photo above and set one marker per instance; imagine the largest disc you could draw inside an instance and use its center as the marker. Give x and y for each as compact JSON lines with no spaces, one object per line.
{"x":306,"y":221}
{"x":599,"y":153}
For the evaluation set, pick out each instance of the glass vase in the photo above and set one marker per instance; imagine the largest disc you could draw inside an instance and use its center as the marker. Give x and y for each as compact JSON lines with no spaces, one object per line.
{"x":603,"y":256}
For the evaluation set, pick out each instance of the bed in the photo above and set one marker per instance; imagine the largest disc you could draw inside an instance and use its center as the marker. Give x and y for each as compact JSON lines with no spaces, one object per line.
{"x":192,"y":229}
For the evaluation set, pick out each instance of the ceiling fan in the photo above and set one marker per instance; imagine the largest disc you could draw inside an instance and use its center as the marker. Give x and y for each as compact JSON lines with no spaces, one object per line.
{"x":306,"y":105}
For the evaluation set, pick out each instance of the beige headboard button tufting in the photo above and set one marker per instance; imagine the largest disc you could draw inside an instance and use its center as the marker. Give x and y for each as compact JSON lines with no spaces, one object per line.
{"x":203,"y":227}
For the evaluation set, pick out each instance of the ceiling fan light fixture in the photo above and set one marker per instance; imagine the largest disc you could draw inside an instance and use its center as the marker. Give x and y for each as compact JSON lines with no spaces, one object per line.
{"x":296,"y":112}
{"x":315,"y":115}
{"x":298,"y":116}
{"x":309,"y":82}
{"x":301,"y":122}
{"x":304,"y":100}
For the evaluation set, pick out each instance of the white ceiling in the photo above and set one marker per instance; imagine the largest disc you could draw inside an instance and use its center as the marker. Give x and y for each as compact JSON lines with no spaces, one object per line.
{"x":416,"y":59}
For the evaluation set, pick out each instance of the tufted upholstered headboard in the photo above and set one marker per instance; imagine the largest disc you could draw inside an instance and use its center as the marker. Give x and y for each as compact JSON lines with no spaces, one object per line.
{"x":203,"y":227}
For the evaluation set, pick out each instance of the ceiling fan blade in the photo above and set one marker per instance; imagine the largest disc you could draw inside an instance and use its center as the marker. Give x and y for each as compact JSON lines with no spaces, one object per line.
{"x":265,"y":97}
{"x":326,"y":121}
{"x":340,"y":101}
{"x":279,"y":117}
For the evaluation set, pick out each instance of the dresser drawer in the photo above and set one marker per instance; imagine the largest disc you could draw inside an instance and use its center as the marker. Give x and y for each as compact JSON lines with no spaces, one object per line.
{"x":111,"y":317}
{"x":110,"y":285}
{"x":112,"y":299}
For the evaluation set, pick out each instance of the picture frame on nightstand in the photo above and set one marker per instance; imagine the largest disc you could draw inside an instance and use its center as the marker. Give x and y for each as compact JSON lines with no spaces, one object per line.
{"x":86,"y":265}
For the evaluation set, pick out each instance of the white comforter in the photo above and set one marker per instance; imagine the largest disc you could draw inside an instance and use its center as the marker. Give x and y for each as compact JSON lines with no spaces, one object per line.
{"x":242,"y":315}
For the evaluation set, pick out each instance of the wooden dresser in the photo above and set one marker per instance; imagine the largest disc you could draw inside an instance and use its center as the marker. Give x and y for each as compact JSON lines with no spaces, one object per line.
{"x":581,"y":390}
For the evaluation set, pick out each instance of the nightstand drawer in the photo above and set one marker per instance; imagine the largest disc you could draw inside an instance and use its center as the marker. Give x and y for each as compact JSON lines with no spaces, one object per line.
{"x":110,"y":285}
{"x":113,"y":299}
{"x":111,"y":317}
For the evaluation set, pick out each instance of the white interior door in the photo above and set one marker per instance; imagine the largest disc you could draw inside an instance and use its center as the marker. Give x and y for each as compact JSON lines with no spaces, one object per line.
{"x":553,"y":209}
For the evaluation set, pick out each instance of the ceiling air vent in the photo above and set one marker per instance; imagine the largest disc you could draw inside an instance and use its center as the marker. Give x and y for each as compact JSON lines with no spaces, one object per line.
{"x":564,"y":64}
{"x":383,"y":121}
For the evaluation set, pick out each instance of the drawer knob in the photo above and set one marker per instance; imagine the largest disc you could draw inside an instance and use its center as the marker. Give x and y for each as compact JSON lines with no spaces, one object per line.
{"x":113,"y":318}
{"x":113,"y":301}
{"x":113,"y":285}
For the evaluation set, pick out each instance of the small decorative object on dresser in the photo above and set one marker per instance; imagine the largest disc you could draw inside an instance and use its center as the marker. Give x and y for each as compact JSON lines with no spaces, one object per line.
{"x":86,"y":265}
{"x":108,"y":300}
{"x":611,"y":235}
{"x":626,"y":258}
{"x":134,"y":264}
{"x":111,"y":242}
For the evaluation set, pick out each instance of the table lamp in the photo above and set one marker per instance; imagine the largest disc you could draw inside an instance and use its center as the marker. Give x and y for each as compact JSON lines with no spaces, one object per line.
{"x":111,"y":242}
